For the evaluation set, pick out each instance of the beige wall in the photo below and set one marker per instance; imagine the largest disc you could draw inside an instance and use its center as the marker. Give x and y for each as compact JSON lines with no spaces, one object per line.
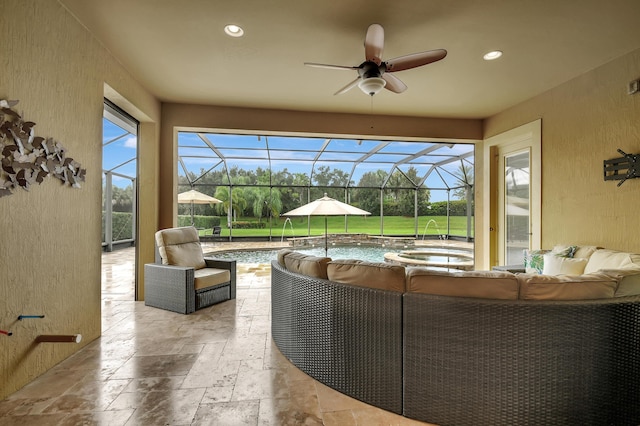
{"x":179,"y":116}
{"x":584,"y":122}
{"x":50,"y":236}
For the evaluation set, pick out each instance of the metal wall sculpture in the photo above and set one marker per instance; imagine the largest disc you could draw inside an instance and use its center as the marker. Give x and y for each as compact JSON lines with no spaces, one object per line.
{"x":29,"y":159}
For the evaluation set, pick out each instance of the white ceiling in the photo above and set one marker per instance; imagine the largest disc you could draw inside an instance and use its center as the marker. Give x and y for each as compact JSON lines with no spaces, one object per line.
{"x":179,"y":52}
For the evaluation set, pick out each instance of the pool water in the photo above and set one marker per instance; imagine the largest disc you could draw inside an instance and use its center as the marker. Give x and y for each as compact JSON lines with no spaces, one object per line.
{"x":368,"y":253}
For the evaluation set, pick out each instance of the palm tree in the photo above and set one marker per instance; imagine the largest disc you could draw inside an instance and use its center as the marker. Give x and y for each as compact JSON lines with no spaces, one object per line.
{"x":237,"y":200}
{"x":465,"y":175}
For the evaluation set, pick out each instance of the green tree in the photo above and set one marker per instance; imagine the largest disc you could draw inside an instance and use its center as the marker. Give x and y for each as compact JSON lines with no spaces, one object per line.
{"x":465,"y":175}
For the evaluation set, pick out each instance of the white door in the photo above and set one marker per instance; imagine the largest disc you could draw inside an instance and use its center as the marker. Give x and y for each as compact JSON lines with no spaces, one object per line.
{"x":511,"y":206}
{"x":515,"y":204}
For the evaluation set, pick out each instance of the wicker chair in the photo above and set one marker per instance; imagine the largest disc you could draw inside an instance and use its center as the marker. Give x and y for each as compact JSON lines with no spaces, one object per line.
{"x":182,"y":279}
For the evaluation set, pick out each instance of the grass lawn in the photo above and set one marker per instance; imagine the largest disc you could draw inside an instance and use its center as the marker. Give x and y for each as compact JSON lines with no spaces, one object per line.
{"x":393,"y":225}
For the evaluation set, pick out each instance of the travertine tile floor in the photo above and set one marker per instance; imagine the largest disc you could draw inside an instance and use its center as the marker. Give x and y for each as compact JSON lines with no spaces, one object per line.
{"x":217,"y":366}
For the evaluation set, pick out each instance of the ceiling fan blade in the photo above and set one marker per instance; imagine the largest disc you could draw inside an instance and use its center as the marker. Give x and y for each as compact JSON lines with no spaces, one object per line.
{"x":374,"y":43}
{"x":415,"y":60}
{"x":393,"y":83}
{"x":332,"y":67}
{"x":349,"y":86}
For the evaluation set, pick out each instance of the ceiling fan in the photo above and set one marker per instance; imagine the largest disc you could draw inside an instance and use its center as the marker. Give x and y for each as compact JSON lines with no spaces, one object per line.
{"x":374,"y":73}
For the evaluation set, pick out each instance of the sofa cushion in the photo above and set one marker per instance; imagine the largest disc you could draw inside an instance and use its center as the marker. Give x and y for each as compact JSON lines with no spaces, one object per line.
{"x":628,"y":280}
{"x":281,"y":255}
{"x":180,"y":247}
{"x":305,"y":264}
{"x":566,"y":287}
{"x":479,"y":284}
{"x":380,"y":275}
{"x":611,"y":259}
{"x":557,"y":265}
{"x":207,"y":277}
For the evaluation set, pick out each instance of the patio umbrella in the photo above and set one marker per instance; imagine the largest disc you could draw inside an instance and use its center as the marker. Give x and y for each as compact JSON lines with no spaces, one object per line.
{"x":194,"y":197}
{"x":326,"y":206}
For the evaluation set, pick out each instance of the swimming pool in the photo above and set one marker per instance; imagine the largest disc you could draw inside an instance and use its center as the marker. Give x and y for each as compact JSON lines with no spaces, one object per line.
{"x":368,"y":253}
{"x":435,"y":257}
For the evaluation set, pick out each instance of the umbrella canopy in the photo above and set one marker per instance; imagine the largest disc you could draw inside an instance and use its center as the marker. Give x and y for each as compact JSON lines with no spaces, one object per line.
{"x":194,"y":197}
{"x":326,"y":206}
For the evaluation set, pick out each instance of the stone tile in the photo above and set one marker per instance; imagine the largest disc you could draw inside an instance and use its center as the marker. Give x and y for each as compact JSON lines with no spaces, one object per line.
{"x":156,"y":366}
{"x":373,"y":416}
{"x":339,"y":418}
{"x":330,"y":400}
{"x":171,"y":407}
{"x":260,"y":384}
{"x":287,"y":412}
{"x":33,"y":420}
{"x":97,"y":418}
{"x":237,"y":413}
{"x":154,"y":383}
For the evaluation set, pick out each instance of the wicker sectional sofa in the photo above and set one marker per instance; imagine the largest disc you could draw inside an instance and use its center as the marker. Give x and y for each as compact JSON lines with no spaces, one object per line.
{"x":464,"y":348}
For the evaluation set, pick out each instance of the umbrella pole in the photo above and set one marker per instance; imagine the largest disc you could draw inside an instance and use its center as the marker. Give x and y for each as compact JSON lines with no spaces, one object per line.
{"x":326,"y":236}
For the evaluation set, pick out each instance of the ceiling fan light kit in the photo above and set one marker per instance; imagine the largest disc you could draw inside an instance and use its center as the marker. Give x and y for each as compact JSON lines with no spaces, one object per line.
{"x":373,"y":85}
{"x":374,"y":74}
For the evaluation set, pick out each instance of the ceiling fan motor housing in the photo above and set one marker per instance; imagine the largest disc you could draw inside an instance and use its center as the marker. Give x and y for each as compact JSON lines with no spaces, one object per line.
{"x":370,"y":69}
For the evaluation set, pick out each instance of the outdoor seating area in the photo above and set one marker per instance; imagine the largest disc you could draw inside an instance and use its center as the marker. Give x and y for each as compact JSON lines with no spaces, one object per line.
{"x":467,"y":348}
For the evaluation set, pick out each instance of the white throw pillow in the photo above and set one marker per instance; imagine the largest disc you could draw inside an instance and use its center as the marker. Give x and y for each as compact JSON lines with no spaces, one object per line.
{"x":612,"y":259}
{"x":557,"y":265}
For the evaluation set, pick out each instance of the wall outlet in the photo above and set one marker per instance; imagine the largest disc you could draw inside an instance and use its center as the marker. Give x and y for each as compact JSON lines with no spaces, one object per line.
{"x":634,"y":87}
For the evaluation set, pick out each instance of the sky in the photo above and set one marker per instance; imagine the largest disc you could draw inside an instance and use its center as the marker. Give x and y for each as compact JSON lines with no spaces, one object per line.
{"x":296,"y":154}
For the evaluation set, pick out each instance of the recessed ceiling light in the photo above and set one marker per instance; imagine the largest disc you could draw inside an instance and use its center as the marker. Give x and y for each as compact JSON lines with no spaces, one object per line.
{"x":490,"y":56}
{"x":233,"y":30}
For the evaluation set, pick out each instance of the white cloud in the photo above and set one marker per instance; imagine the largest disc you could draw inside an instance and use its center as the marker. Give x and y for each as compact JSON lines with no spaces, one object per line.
{"x":131,"y":142}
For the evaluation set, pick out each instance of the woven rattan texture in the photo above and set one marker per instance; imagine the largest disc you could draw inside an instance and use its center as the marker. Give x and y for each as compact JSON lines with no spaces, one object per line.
{"x":482,"y":362}
{"x":169,"y":287}
{"x":211,"y":296}
{"x":347,"y":337}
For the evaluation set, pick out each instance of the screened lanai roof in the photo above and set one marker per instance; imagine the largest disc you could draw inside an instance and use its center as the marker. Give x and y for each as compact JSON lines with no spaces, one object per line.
{"x":352,"y":162}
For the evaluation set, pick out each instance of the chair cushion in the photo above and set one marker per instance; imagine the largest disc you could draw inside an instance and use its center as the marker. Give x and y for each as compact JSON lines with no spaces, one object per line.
{"x":380,"y":275}
{"x":180,"y":247}
{"x":305,"y":264}
{"x":479,"y":284}
{"x":208,"y":277}
{"x":566,"y":287}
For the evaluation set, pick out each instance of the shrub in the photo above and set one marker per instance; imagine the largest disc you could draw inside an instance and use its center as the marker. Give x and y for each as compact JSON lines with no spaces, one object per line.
{"x":243,"y":224}
{"x":120,"y":225}
{"x":200,"y":222}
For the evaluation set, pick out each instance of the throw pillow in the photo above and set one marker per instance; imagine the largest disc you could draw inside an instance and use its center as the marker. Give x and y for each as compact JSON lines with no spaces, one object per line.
{"x":534,"y":261}
{"x":564,"y":251}
{"x":558,"y":265}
